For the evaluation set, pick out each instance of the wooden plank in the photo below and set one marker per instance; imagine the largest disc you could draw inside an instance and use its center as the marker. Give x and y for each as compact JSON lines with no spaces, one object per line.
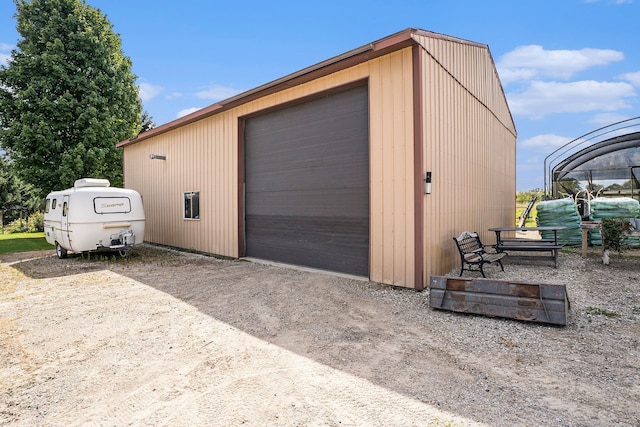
{"x":528,"y":247}
{"x":526,"y":309}
{"x":498,"y":305}
{"x":549,"y":291}
{"x":521,"y":239}
{"x":461,"y":298}
{"x":539,"y":302}
{"x":525,"y":246}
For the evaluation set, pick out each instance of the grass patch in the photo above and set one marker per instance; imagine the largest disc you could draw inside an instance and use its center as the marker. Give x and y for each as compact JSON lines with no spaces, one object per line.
{"x":531,"y":221}
{"x":23,"y":242}
{"x":602,"y":311}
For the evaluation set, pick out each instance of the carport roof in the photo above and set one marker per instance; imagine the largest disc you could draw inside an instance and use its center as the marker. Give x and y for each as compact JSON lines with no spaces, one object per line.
{"x":348,"y":59}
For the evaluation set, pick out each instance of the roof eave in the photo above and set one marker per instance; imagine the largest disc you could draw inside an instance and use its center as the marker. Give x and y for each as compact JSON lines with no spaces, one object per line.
{"x":348,"y":59}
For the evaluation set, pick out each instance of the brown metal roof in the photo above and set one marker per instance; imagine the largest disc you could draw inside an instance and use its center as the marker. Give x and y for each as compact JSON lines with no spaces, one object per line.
{"x":348,"y":59}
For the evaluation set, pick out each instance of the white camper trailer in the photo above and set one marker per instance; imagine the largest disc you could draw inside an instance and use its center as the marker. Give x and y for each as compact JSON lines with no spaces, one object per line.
{"x":93,"y":216}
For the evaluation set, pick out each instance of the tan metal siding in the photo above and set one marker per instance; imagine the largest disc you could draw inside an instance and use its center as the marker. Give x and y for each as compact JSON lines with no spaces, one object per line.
{"x":202,"y":156}
{"x":197,"y":160}
{"x":469,"y":146}
{"x":472,"y":66}
{"x":391,"y":142}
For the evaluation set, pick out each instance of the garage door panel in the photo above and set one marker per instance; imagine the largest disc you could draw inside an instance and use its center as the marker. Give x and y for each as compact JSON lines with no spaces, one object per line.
{"x":334,"y":111}
{"x":307,"y":183}
{"x":350,"y":202}
{"x":311,"y":178}
{"x":339,"y":242}
{"x":327,"y":153}
{"x":303,"y":152}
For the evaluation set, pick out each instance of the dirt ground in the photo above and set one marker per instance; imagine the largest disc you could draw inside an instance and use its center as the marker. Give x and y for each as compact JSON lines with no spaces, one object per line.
{"x":179,"y":339}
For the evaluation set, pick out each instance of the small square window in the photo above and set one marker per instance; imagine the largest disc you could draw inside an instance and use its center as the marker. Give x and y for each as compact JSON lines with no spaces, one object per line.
{"x":192,"y":205}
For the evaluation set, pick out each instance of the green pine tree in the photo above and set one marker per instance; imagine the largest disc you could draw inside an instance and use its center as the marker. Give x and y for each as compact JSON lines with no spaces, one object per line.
{"x":17,"y":198}
{"x":67,"y":95}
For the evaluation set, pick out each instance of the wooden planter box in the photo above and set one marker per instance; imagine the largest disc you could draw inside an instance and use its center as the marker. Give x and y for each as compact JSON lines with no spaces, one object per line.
{"x":535,"y":302}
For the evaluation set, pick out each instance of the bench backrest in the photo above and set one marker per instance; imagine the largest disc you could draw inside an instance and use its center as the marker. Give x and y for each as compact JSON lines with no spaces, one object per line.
{"x":468,"y":243}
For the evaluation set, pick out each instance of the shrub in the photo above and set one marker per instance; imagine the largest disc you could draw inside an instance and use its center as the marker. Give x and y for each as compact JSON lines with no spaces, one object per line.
{"x":613,"y":233}
{"x":16,"y":226}
{"x":36,"y":222}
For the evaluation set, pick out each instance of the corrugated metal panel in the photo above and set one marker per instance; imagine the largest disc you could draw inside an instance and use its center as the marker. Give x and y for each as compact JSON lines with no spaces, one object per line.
{"x":197,"y":159}
{"x":203,"y":156}
{"x":472,"y":66}
{"x":469,"y":146}
{"x":392,"y":203}
{"x":307,"y":183}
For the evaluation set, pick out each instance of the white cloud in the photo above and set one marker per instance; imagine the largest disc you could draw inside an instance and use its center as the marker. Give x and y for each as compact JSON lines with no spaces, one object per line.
{"x":149,"y":91}
{"x":217,"y":93}
{"x":187,"y":111}
{"x":545,"y":142}
{"x":174,"y":95}
{"x":533,"y":62}
{"x":5,"y":57}
{"x":542,"y":98}
{"x":605,"y":119}
{"x":633,"y":78}
{"x":610,"y":1}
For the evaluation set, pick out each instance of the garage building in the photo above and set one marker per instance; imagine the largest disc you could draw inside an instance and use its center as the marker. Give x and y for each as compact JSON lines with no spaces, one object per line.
{"x":327,"y":167}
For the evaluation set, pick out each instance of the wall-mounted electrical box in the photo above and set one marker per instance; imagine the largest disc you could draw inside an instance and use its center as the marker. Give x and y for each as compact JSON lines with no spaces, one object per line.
{"x":427,"y":183}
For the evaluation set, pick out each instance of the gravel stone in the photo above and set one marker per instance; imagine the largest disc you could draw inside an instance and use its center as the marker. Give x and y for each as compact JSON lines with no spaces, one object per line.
{"x":175,"y":338}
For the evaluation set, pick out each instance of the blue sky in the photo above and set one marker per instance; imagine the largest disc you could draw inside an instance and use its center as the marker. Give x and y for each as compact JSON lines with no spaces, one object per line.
{"x":567,"y":66}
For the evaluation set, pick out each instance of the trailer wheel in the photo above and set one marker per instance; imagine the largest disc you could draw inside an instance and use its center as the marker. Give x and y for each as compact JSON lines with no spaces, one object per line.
{"x":123,"y":253}
{"x":60,"y":251}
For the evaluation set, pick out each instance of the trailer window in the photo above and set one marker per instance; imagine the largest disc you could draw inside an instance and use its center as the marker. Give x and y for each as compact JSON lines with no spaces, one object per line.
{"x":111,"y":205}
{"x":53,"y":203}
{"x":192,"y":205}
{"x":46,"y":205}
{"x":64,"y":209}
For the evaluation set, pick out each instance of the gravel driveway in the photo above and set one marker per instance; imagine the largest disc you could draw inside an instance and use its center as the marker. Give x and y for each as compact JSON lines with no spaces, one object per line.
{"x":180,"y":339}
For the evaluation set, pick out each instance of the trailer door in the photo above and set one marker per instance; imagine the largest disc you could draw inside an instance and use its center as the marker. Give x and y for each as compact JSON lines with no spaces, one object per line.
{"x":64,"y":224}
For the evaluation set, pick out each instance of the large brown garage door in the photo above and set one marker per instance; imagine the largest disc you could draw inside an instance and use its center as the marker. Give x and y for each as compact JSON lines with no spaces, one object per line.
{"x":307,"y":183}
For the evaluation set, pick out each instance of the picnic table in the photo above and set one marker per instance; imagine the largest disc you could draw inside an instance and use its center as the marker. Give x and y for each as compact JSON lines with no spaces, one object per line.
{"x":522,"y":244}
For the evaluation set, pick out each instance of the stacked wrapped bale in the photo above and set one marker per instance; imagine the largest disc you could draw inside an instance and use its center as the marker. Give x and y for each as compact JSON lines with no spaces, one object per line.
{"x":615,"y":207}
{"x":561,"y":212}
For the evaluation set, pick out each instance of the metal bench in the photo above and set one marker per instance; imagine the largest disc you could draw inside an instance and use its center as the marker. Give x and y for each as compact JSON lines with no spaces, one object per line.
{"x":473,"y":253}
